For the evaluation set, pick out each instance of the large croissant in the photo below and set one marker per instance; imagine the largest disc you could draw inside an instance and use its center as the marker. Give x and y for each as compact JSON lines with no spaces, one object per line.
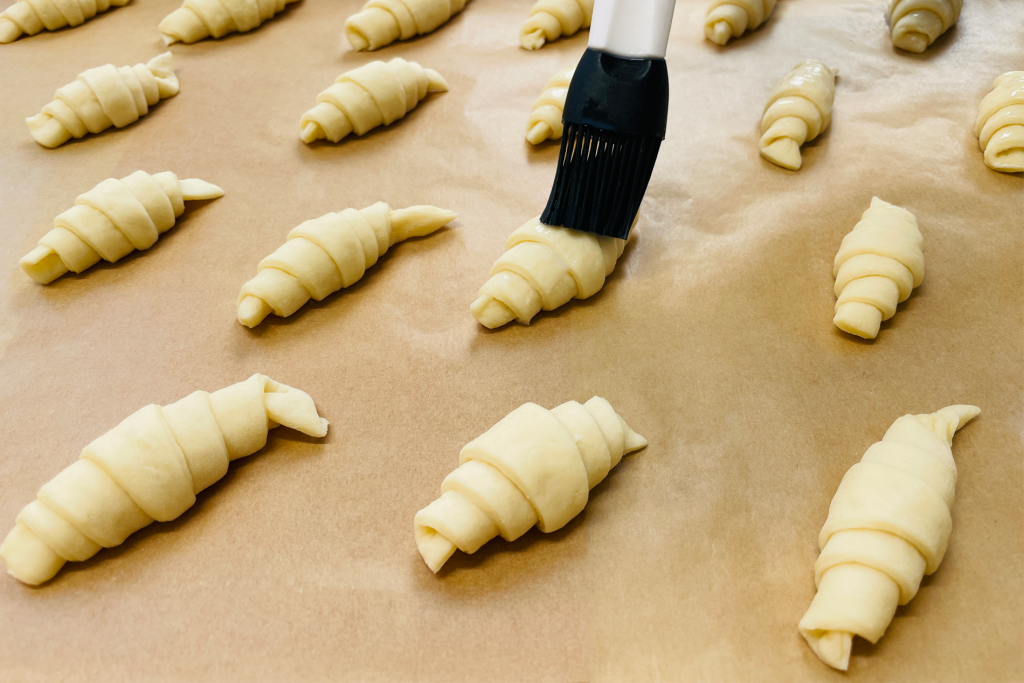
{"x":103,"y":97}
{"x":375,"y":94}
{"x":798,"y":110}
{"x":112,"y":220}
{"x":1000,"y":124}
{"x":545,"y":120}
{"x":32,"y":16}
{"x":149,"y":467}
{"x":732,"y":18}
{"x":198,"y":19}
{"x":382,"y":22}
{"x":535,"y":466}
{"x":916,"y":24}
{"x":551,"y":19}
{"x":888,"y":525}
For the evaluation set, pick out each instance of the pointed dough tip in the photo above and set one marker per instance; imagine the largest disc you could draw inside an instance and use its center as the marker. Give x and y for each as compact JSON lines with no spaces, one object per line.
{"x":534,"y":40}
{"x":434,"y":548}
{"x":9,"y":31}
{"x":912,"y":42}
{"x":539,"y":133}
{"x":491,"y":313}
{"x":719,"y":33}
{"x":436,"y":81}
{"x":43,"y":265}
{"x":832,"y":647}
{"x":860,"y":319}
{"x":252,"y":310}
{"x":356,"y":39}
{"x":417,"y":221}
{"x":168,"y":39}
{"x":193,"y":189}
{"x":310,"y":133}
{"x":784,"y":152}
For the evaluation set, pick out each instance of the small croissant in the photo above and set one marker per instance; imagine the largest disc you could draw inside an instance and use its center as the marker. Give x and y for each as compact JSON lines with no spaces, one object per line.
{"x":545,"y":120}
{"x":798,"y":110}
{"x":732,"y":18}
{"x":199,"y":19}
{"x":1000,"y":124}
{"x":551,"y":19}
{"x":916,"y":24}
{"x":29,"y":17}
{"x":382,"y":22}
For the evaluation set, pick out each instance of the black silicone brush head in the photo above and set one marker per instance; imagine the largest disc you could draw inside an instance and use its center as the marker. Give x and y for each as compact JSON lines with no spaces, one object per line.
{"x":614,"y":121}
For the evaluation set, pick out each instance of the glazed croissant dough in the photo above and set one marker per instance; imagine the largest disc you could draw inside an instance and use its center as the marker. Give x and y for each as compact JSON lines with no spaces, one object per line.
{"x":1000,"y":124}
{"x":103,"y":97}
{"x":544,"y":266}
{"x":879,"y":262}
{"x":799,"y":108}
{"x":32,"y":16}
{"x":198,"y":19}
{"x":112,"y":220}
{"x":535,"y":466}
{"x":732,"y":18}
{"x":888,"y":525}
{"x":149,"y":467}
{"x":382,"y":22}
{"x":545,"y":120}
{"x":551,"y":19}
{"x":375,"y":94}
{"x":916,"y":24}
{"x":328,"y":253}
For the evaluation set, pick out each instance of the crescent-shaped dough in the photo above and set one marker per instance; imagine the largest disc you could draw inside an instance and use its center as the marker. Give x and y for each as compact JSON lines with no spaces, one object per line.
{"x":103,"y":97}
{"x":732,"y":18}
{"x":545,"y":120}
{"x":535,"y":467}
{"x":799,"y":108}
{"x":328,"y":253}
{"x":375,"y":94}
{"x":382,"y":22}
{"x":198,"y":19}
{"x":1000,"y":124}
{"x":32,"y":16}
{"x":888,"y":525}
{"x":879,"y":262}
{"x":112,"y":220}
{"x":551,"y":19}
{"x":149,"y":467}
{"x":917,"y":23}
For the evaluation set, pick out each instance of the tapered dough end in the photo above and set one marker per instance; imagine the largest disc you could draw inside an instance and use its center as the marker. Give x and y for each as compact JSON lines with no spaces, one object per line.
{"x":9,"y":31}
{"x":784,"y":152}
{"x":491,"y":313}
{"x":417,"y":221}
{"x":356,"y":39}
{"x":532,"y":40}
{"x":162,"y":68}
{"x":28,"y":559}
{"x":312,"y":133}
{"x":436,"y":81}
{"x":293,"y":408}
{"x":539,"y":133}
{"x":434,"y":548}
{"x":182,"y":24}
{"x":194,"y":189}
{"x":43,"y":265}
{"x":832,"y":647}
{"x":719,"y":33}
{"x":634,"y":441}
{"x":48,"y":131}
{"x":911,"y":42}
{"x":252,"y":310}
{"x":946,"y":422}
{"x":1006,"y":162}
{"x":858,"y":318}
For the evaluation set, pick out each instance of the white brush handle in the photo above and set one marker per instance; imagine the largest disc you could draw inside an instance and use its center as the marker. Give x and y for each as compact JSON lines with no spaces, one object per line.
{"x":632,"y":28}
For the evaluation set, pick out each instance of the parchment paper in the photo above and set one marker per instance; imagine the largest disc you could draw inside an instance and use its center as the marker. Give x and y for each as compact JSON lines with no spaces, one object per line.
{"x":693,"y":561}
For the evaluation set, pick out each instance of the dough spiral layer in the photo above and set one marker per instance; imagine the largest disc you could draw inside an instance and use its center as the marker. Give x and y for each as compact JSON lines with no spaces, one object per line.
{"x":879,"y":262}
{"x":732,"y":18}
{"x":375,"y":94}
{"x":382,"y":22}
{"x":149,"y":467}
{"x":551,"y":19}
{"x":103,"y":97}
{"x":888,"y":525}
{"x":199,"y":19}
{"x":328,"y":253}
{"x":112,"y":220}
{"x":32,"y":16}
{"x":916,"y":24}
{"x":799,"y":108}
{"x":1000,"y":124}
{"x":545,"y":120}
{"x":535,"y":466}
{"x":544,"y":266}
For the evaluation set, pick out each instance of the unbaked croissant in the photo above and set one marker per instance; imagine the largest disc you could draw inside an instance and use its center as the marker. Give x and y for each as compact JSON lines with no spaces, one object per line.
{"x":879,"y":262}
{"x":198,"y":19}
{"x":1000,"y":124}
{"x":917,"y":23}
{"x":535,"y":467}
{"x":149,"y":467}
{"x":888,"y":526}
{"x":551,"y":19}
{"x":732,"y":18}
{"x":798,"y":110}
{"x":103,"y":97}
{"x":544,"y":266}
{"x":375,"y":94}
{"x":382,"y":22}
{"x":545,"y":120}
{"x":32,"y":16}
{"x":112,"y":220}
{"x":328,"y":253}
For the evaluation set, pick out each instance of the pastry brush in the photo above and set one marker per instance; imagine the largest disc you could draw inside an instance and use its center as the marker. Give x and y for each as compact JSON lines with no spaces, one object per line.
{"x":614,"y":119}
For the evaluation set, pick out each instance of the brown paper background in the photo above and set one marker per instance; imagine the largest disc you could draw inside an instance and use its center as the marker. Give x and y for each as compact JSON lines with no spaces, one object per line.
{"x":693,"y":561}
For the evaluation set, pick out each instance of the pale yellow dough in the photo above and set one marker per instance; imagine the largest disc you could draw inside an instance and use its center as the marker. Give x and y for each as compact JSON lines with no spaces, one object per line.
{"x":543,"y":267}
{"x":382,"y":22}
{"x":879,"y":262}
{"x":375,"y":94}
{"x":32,"y":16}
{"x":328,"y":253}
{"x":915,"y":24}
{"x":545,"y":120}
{"x":199,"y":19}
{"x":551,"y":19}
{"x":732,"y":18}
{"x":535,"y":467}
{"x":1000,"y":124}
{"x":103,"y":97}
{"x":888,"y":526}
{"x":149,"y":467}
{"x":112,"y":220}
{"x":798,"y":110}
